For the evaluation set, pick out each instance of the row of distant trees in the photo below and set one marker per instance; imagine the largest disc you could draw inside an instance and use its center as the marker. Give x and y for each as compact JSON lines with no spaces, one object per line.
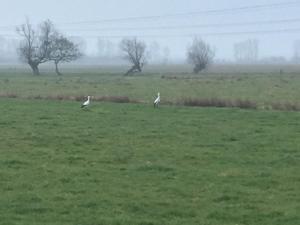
{"x":246,"y":51}
{"x":46,"y":44}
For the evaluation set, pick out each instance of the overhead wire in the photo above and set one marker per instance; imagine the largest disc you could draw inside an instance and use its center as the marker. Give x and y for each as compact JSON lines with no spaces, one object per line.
{"x":203,"y":12}
{"x":185,"y":27}
{"x":175,"y":27}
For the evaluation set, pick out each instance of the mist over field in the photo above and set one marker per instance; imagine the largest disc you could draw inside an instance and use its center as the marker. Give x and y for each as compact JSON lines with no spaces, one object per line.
{"x":167,"y":28}
{"x":138,"y":112}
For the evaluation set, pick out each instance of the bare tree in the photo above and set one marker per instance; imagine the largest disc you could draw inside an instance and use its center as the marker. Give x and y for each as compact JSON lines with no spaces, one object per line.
{"x":134,"y":52}
{"x":296,"y":56}
{"x":80,"y":42}
{"x":35,"y":47}
{"x":166,"y":55}
{"x":63,"y":50}
{"x":154,"y":52}
{"x":246,"y":51}
{"x":106,"y":48}
{"x":200,"y":54}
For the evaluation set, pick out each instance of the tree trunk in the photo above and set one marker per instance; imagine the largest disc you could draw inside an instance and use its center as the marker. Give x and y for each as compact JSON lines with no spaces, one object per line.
{"x":139,"y":68}
{"x":133,"y":69}
{"x":35,"y":68}
{"x":56,"y":69}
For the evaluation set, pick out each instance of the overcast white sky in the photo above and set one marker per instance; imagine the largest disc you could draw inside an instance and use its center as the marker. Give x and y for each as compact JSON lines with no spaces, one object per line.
{"x":66,"y":13}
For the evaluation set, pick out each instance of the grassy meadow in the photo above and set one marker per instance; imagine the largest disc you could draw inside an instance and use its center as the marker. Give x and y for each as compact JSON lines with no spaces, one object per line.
{"x":263,"y":88}
{"x":134,"y":165}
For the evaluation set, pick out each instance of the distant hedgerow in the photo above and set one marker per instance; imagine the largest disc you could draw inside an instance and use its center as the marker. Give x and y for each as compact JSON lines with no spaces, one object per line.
{"x":285,"y":106}
{"x":193,"y":102}
{"x":215,"y":102}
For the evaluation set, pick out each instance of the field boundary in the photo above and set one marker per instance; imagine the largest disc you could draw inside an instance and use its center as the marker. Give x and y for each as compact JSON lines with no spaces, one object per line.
{"x":189,"y":102}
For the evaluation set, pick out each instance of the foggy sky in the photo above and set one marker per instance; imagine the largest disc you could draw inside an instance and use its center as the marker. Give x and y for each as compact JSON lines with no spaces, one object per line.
{"x":66,"y":15}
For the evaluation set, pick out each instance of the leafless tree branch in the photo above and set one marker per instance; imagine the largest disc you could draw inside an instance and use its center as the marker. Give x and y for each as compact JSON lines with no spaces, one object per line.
{"x":35,"y":49}
{"x":135,"y":53}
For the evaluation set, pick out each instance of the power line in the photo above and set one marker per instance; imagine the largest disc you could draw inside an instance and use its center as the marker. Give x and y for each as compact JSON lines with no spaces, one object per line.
{"x":233,"y":33}
{"x":7,"y":27}
{"x":212,"y":25}
{"x":204,"y":12}
{"x":10,"y":35}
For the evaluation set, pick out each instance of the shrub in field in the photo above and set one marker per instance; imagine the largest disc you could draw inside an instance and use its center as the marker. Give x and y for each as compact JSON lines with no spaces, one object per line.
{"x":200,"y":55}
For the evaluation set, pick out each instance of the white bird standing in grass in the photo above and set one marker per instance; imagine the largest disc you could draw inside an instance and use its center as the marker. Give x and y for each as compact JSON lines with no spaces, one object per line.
{"x":157,"y":100}
{"x":86,"y":103}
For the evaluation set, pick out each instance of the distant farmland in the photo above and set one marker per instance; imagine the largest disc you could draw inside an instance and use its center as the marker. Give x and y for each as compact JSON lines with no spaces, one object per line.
{"x":227,"y":83}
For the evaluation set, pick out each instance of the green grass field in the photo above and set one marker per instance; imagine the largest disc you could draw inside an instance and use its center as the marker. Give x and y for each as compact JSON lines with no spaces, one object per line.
{"x":131,"y":164}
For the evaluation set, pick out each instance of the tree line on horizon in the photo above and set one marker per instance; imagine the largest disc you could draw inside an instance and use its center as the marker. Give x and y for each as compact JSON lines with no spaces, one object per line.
{"x":46,"y":44}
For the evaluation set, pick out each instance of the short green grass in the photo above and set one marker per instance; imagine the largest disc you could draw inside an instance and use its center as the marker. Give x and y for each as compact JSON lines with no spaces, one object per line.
{"x":131,"y":164}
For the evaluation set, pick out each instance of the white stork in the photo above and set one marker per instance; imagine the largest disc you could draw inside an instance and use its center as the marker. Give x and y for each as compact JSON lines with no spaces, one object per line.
{"x":86,"y":103}
{"x":157,"y":100}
